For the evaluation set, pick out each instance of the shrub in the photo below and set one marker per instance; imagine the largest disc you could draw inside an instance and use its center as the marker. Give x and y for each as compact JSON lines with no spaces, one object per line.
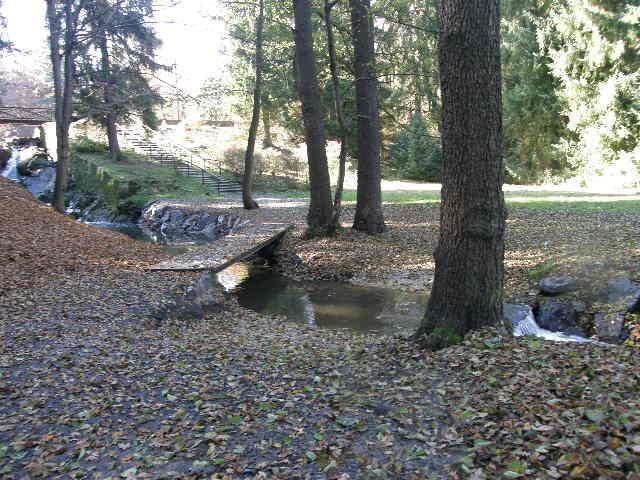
{"x":415,"y":154}
{"x":234,"y":161}
{"x":86,"y":145}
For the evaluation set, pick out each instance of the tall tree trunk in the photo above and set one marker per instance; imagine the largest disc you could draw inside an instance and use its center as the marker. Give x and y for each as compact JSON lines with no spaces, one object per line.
{"x":267,"y":139}
{"x":320,"y":207}
{"x":56,"y":63}
{"x":467,"y":291}
{"x":335,"y":80}
{"x":368,"y":216}
{"x":249,"y":161}
{"x":109,"y":98}
{"x":67,"y":98}
{"x":62,"y":70}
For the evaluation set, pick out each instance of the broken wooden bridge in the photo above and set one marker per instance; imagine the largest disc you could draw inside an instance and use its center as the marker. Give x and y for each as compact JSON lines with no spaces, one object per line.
{"x":235,"y":247}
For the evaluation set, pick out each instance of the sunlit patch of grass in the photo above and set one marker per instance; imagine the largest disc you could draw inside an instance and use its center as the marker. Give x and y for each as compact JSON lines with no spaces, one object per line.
{"x":572,"y":202}
{"x":155,"y":181}
{"x":572,"y":205}
{"x":539,"y":272}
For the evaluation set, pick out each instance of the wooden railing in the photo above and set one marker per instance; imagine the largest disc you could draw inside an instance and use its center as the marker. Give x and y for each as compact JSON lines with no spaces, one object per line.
{"x":182,"y":158}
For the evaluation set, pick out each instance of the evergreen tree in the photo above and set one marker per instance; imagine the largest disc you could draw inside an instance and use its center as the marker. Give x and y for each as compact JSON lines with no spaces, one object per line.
{"x":533,"y":120}
{"x":415,"y":153}
{"x":467,"y":288}
{"x":4,"y":40}
{"x":320,"y":213}
{"x":117,"y":61}
{"x":593,"y":45}
{"x":369,"y":217}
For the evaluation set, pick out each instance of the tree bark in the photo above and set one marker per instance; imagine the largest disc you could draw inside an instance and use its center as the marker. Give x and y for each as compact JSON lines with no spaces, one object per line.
{"x":109,"y":99}
{"x":369,"y":217}
{"x":62,"y":70}
{"x":320,"y":207}
{"x":267,"y":139}
{"x":249,"y":161}
{"x":467,"y":290}
{"x":54,"y":51}
{"x":335,"y":80}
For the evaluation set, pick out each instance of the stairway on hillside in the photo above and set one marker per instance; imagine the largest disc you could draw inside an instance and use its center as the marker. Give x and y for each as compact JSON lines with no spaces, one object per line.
{"x":183,"y":161}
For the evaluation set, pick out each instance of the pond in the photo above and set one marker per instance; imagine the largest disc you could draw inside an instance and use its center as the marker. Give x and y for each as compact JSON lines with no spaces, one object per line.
{"x":325,"y":304}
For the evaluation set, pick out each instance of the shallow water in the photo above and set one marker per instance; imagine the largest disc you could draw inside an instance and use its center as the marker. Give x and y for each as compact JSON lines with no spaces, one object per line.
{"x":529,"y":327}
{"x":11,"y":170}
{"x":326,"y":304}
{"x":130,"y":229}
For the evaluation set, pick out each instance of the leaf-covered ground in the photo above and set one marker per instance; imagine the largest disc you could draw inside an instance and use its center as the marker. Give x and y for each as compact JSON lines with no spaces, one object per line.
{"x":90,"y":388}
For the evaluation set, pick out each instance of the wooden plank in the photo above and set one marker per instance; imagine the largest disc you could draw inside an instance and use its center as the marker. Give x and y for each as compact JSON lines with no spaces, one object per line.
{"x":227,"y":250}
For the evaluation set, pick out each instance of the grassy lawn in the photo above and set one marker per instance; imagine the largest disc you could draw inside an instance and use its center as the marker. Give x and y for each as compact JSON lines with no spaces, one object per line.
{"x":155,"y":181}
{"x":574,"y":202}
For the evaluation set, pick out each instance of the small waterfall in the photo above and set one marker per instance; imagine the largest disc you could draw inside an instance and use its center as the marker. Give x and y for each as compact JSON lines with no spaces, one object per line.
{"x":527,"y":326}
{"x":11,"y":170}
{"x":38,"y":182}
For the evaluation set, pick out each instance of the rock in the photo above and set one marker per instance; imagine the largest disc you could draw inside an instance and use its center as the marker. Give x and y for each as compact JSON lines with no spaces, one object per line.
{"x":609,"y":326}
{"x":174,"y":224}
{"x":515,"y":313}
{"x":557,"y":284}
{"x":23,"y":168}
{"x":34,"y":163}
{"x":25,"y":142}
{"x":519,"y":317}
{"x":579,"y":307}
{"x":41,"y":182}
{"x":624,"y":294}
{"x":202,"y":298}
{"x":558,"y":316}
{"x":381,"y":408}
{"x":623,"y":297}
{"x":5,"y":155}
{"x":211,"y":232}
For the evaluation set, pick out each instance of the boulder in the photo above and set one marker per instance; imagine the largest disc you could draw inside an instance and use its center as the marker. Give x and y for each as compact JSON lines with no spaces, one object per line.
{"x":624,"y":294}
{"x":558,"y":316}
{"x":556,"y":285}
{"x":519,"y":318}
{"x":41,"y":182}
{"x":25,"y":142}
{"x":623,"y":297}
{"x":5,"y":155}
{"x":609,"y":326}
{"x":174,"y":224}
{"x":34,"y":163}
{"x":202,"y":298}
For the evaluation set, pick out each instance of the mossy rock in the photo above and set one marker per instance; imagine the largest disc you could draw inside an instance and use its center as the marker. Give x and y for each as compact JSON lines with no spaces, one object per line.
{"x":439,"y":337}
{"x":35,"y":162}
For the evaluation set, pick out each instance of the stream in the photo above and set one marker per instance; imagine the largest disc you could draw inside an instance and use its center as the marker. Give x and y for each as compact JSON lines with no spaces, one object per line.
{"x":39,"y":181}
{"x":340,"y":305}
{"x":325,"y":304}
{"x":11,"y":170}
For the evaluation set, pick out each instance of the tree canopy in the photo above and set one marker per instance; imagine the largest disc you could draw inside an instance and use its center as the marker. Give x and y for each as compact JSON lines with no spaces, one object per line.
{"x":570,"y":81}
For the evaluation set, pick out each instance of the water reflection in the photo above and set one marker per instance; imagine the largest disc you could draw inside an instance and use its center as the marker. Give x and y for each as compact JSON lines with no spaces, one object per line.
{"x":323,"y":303}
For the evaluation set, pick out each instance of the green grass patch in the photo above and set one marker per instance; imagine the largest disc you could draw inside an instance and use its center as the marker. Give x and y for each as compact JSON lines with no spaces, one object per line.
{"x":150,"y":180}
{"x":570,"y":202}
{"x":281,"y":185}
{"x":570,"y":205}
{"x":539,"y":272}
